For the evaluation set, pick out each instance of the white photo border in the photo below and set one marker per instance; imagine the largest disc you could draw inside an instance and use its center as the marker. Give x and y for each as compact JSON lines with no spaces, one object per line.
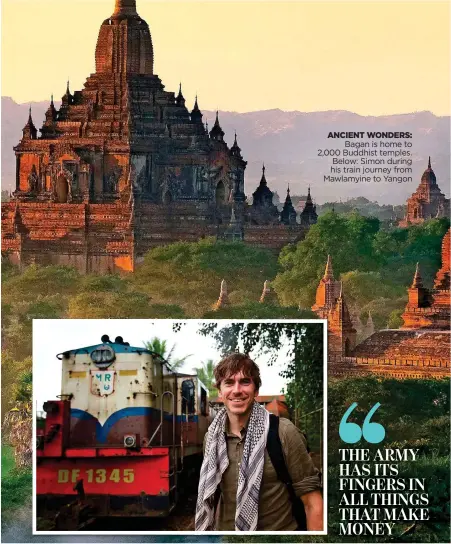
{"x":48,"y":323}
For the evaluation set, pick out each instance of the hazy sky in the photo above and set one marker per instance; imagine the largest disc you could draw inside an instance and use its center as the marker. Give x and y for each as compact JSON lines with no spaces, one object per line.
{"x":52,"y":336}
{"x":366,"y":57}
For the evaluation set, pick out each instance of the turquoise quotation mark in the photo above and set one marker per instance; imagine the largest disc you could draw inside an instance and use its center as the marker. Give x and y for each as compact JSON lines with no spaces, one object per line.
{"x":351,"y":433}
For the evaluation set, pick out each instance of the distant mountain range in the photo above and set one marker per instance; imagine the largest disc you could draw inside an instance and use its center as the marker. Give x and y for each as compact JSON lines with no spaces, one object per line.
{"x":288,"y":143}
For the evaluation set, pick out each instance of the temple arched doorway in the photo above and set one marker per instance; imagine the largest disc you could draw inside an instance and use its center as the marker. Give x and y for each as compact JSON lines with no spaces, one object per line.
{"x":167,"y":197}
{"x":62,"y":190}
{"x":347,"y":347}
{"x":220,"y":193}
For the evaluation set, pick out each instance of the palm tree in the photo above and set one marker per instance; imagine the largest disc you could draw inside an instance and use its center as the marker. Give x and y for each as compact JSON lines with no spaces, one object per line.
{"x":160,"y":346}
{"x":206,"y":375}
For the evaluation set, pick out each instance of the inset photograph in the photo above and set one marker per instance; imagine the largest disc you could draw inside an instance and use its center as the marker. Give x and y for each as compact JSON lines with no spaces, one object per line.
{"x":179,"y":426}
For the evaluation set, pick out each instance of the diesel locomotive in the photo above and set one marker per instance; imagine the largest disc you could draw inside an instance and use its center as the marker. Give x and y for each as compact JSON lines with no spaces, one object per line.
{"x":121,"y":436}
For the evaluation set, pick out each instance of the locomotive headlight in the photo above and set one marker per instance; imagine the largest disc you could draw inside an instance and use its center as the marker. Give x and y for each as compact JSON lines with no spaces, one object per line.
{"x":129,"y":440}
{"x":103,"y":356}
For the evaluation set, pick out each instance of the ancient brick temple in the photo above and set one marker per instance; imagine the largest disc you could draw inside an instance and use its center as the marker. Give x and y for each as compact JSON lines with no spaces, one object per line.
{"x":427,"y":201}
{"x":288,"y":215}
{"x":308,"y":215}
{"x":263,"y":211}
{"x":430,"y":308}
{"x":420,"y":348}
{"x":124,"y":166}
{"x":330,"y":304}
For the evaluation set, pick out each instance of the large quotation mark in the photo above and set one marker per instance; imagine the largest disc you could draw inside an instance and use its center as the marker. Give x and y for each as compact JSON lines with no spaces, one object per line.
{"x":349,"y":432}
{"x":352,"y":433}
{"x":373,"y":432}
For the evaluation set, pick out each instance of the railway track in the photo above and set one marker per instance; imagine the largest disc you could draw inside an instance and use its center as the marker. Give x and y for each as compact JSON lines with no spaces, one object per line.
{"x":73,"y":518}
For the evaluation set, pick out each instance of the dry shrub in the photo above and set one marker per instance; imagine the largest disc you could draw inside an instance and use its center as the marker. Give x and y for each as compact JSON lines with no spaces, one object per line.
{"x":17,"y":431}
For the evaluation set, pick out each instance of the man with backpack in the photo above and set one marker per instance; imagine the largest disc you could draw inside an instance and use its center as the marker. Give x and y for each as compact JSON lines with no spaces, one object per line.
{"x":256,"y":466}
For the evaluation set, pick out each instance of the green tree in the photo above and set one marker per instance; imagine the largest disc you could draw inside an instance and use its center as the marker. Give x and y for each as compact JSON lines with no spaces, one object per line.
{"x":382,"y":308}
{"x":207,"y":377}
{"x":119,"y":305}
{"x":190,"y":274}
{"x":361,"y":288}
{"x":41,"y":281}
{"x":365,"y":207}
{"x":399,"y":250}
{"x":18,"y":321}
{"x":256,"y":310}
{"x":304,"y":370}
{"x":349,"y":241}
{"x":8,"y":270}
{"x":108,"y":282}
{"x":160,"y":346}
{"x":394,"y":319}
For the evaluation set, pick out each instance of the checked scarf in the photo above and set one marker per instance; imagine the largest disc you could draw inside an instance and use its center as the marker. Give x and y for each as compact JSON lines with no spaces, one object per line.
{"x":250,"y":475}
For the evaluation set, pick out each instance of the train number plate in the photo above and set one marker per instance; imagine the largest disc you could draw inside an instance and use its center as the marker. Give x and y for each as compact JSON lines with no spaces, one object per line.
{"x":97,"y":475}
{"x":118,"y":475}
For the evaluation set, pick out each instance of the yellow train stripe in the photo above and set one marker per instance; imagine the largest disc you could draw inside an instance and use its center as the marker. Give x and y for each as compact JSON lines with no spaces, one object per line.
{"x":128,"y":372}
{"x":77,"y":374}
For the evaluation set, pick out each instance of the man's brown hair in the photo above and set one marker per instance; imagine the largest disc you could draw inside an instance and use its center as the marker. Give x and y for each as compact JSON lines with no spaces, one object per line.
{"x":234,"y":363}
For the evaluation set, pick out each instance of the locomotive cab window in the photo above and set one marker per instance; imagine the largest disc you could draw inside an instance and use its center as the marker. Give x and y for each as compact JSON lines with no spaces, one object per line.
{"x":188,"y":397}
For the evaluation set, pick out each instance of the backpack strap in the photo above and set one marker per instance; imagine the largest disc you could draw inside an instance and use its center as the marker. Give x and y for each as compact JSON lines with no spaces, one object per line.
{"x":275,"y":452}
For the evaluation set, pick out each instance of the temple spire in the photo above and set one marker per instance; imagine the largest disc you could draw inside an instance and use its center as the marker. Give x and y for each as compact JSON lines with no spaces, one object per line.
{"x":67,"y":97}
{"x":124,"y":43}
{"x":288,"y":214}
{"x":29,"y":131}
{"x":216,"y":133}
{"x":223,"y":299}
{"x":442,"y":278}
{"x":180,"y":100}
{"x":263,"y":178}
{"x":417,"y":279}
{"x":196,"y":114}
{"x":50,"y":116}
{"x":268,"y":294}
{"x":235,"y":150}
{"x":328,"y":273}
{"x":429,"y":162}
{"x":264,"y":292}
{"x":308,"y":215}
{"x":125,"y":7}
{"x":288,"y":197}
